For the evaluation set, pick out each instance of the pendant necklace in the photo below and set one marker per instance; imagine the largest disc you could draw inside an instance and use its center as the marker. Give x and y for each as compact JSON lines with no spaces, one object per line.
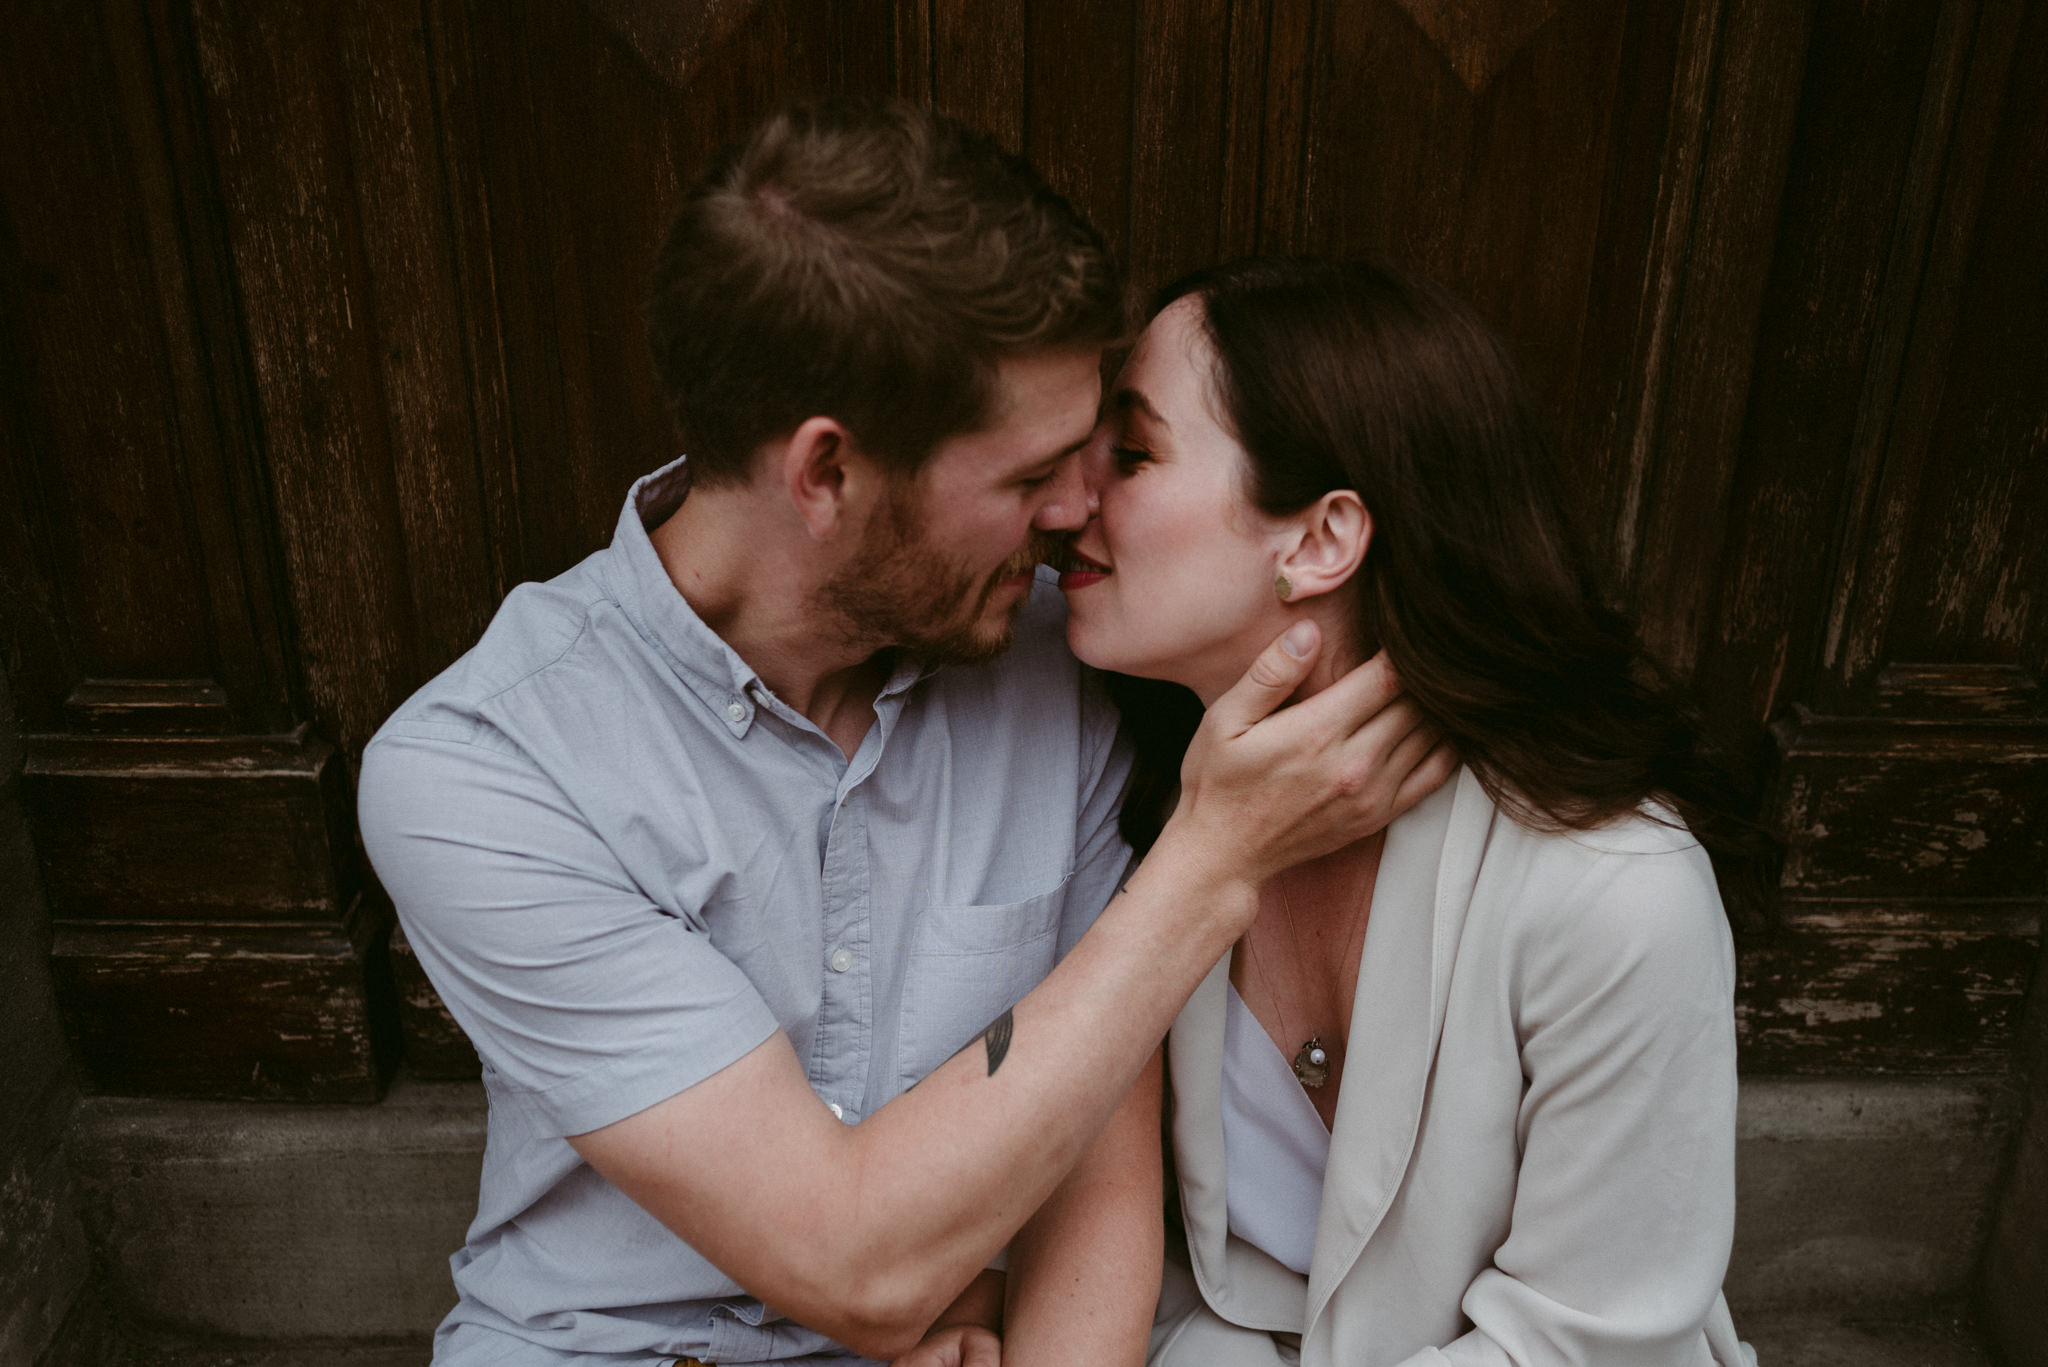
{"x":1311,"y":1062}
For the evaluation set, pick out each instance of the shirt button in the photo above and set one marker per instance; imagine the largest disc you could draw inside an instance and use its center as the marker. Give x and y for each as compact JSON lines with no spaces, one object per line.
{"x":837,"y":1114}
{"x":736,"y":709}
{"x":841,"y":960}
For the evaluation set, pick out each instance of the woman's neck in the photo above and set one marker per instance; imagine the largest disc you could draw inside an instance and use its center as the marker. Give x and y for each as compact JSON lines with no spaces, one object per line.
{"x":1340,"y":654}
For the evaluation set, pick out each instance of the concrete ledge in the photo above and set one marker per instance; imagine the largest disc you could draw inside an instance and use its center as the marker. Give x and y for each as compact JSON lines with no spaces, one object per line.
{"x":1807,"y":1339}
{"x":269,"y":1221}
{"x":1868,"y":1192}
{"x":335,"y":1222}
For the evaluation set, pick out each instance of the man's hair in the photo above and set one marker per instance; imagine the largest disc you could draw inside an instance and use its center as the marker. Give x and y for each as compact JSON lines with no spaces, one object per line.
{"x":869,"y":262}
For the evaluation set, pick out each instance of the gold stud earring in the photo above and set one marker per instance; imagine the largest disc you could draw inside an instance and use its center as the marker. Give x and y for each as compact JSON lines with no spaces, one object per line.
{"x":1283,"y":586}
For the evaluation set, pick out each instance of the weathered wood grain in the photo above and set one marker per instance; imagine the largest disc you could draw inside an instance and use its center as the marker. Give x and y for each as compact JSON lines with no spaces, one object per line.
{"x":980,"y":56}
{"x":435,"y":1046}
{"x":910,"y":57}
{"x":320,"y":329}
{"x":1178,"y":118}
{"x":441,"y":507}
{"x":1478,"y":42}
{"x":1686,"y":473}
{"x":1957,"y":690}
{"x":227,"y":829}
{"x":1911,"y":998}
{"x":308,"y":312}
{"x":1829,"y":334}
{"x":104,"y":577}
{"x":285,"y":1013}
{"x":1966,"y":392}
{"x":1274,"y":96}
{"x":150,"y":707}
{"x":1077,"y":130}
{"x":219,"y":442}
{"x":1891,"y":807}
{"x":675,"y":39}
{"x":1508,"y":194}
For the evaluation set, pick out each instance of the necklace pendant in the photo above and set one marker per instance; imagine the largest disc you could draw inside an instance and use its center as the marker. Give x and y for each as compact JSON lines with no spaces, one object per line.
{"x":1312,"y":1063}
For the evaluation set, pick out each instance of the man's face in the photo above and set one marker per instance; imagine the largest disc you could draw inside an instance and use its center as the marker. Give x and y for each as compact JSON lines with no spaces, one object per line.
{"x":946,"y":564}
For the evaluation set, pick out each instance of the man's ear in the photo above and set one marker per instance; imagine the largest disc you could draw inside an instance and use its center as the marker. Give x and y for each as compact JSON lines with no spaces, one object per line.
{"x":828,"y":479}
{"x":1331,"y":538}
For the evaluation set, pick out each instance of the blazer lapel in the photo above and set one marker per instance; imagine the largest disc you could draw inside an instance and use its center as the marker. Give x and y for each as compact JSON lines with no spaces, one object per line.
{"x":1241,"y":1283}
{"x":1419,"y":901}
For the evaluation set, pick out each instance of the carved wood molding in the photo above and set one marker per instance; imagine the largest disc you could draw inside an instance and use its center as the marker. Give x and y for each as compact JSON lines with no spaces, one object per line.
{"x":672,"y":38}
{"x":286,"y":1012}
{"x":1913,"y":807}
{"x":1479,"y":40}
{"x":191,"y":829}
{"x":212,"y":937}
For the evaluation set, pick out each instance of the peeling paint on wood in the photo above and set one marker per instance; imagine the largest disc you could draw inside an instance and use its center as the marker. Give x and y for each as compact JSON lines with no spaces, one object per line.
{"x":1910,"y":996}
{"x":215,"y":828}
{"x":435,"y":1046}
{"x":1896,"y":807}
{"x":288,"y":1013}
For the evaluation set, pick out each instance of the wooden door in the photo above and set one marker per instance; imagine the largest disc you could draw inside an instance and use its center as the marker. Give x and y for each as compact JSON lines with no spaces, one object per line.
{"x":321,"y":330}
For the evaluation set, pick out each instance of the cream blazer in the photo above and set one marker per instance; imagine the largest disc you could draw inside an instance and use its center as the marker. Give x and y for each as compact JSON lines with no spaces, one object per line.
{"x":1533,"y":1160}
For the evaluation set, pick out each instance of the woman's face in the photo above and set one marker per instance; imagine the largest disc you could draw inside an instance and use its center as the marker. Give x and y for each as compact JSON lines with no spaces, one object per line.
{"x":1174,"y":575}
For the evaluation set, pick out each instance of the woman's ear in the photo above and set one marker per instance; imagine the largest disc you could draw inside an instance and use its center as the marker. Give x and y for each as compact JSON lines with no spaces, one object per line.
{"x":1331,"y":539}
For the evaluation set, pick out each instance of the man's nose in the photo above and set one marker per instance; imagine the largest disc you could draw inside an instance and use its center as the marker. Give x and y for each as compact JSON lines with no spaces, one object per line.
{"x":1071,"y":499}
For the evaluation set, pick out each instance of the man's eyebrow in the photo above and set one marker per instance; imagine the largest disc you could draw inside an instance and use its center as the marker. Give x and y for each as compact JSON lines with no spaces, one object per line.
{"x":1127,"y":398}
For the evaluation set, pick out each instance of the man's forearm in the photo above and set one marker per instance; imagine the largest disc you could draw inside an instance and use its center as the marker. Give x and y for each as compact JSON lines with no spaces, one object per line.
{"x":968,"y":1155}
{"x":867,"y":1232}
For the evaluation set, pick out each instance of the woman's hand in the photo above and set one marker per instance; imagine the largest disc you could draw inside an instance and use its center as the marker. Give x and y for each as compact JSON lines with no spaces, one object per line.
{"x":955,"y":1345}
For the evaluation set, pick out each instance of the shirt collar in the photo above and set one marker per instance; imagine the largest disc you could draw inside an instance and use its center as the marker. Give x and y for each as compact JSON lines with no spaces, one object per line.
{"x":700,"y":657}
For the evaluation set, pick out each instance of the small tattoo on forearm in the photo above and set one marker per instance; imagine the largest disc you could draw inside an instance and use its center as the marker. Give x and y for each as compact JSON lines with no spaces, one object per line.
{"x":997,"y":1038}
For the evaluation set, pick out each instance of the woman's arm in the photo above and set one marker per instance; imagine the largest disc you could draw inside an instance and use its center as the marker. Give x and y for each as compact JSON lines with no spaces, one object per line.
{"x":1084,"y":1272}
{"x":968,"y":1332}
{"x":1625,"y":1199}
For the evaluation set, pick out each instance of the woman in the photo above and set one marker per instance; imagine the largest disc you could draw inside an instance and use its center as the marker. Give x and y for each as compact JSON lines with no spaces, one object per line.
{"x":1465,"y":1092}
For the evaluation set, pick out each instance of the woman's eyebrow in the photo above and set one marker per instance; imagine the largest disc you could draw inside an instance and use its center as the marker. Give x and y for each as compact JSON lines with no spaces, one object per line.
{"x":1128,"y":398}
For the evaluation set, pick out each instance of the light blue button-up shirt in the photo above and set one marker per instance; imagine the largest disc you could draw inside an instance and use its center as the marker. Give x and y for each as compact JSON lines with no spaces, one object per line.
{"x":625,"y":864}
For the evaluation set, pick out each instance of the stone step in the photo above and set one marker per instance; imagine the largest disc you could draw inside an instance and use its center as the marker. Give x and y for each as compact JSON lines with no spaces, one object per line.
{"x":260,"y":1222}
{"x":1781,"y":1338}
{"x":1803,"y":1338}
{"x":154,"y":1352}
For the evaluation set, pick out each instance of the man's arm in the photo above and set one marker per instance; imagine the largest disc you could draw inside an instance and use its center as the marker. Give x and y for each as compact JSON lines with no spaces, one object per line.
{"x":1084,"y":1271}
{"x":867,"y":1232}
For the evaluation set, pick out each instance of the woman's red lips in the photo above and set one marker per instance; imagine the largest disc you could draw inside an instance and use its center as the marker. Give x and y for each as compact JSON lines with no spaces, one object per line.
{"x":1079,"y":572}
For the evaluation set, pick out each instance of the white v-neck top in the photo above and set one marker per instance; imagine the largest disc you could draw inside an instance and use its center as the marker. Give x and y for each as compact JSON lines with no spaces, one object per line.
{"x":1275,"y":1148}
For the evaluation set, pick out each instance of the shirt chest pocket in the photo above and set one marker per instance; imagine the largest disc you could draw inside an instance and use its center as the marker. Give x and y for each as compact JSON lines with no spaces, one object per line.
{"x":967,"y":966}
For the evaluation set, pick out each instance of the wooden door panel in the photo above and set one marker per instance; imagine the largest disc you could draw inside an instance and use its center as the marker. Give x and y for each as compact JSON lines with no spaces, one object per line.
{"x":323,"y":329}
{"x":1974,"y":574}
{"x":581,"y":152}
{"x":281,"y":138}
{"x":1826,"y":344}
{"x":1082,"y":68}
{"x":108,"y":553}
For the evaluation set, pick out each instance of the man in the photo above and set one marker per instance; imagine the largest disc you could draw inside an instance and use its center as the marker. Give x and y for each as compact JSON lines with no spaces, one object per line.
{"x":720,"y":843}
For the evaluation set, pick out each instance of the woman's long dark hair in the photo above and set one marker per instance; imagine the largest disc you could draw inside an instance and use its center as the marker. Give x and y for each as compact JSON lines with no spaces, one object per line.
{"x":1356,"y":375}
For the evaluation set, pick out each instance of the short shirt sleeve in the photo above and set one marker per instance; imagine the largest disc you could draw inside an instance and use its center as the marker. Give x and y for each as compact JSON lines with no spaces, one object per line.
{"x":577,"y":990}
{"x":1101,"y":856}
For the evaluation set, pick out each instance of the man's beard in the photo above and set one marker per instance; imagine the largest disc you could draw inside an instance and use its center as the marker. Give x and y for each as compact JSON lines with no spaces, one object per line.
{"x":899,"y":591}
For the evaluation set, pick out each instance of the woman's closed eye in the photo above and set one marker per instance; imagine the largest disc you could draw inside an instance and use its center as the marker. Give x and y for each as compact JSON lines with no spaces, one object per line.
{"x":1129,"y":458}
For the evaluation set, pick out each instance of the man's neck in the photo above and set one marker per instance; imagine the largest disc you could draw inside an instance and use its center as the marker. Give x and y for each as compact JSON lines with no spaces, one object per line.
{"x":751,"y":575}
